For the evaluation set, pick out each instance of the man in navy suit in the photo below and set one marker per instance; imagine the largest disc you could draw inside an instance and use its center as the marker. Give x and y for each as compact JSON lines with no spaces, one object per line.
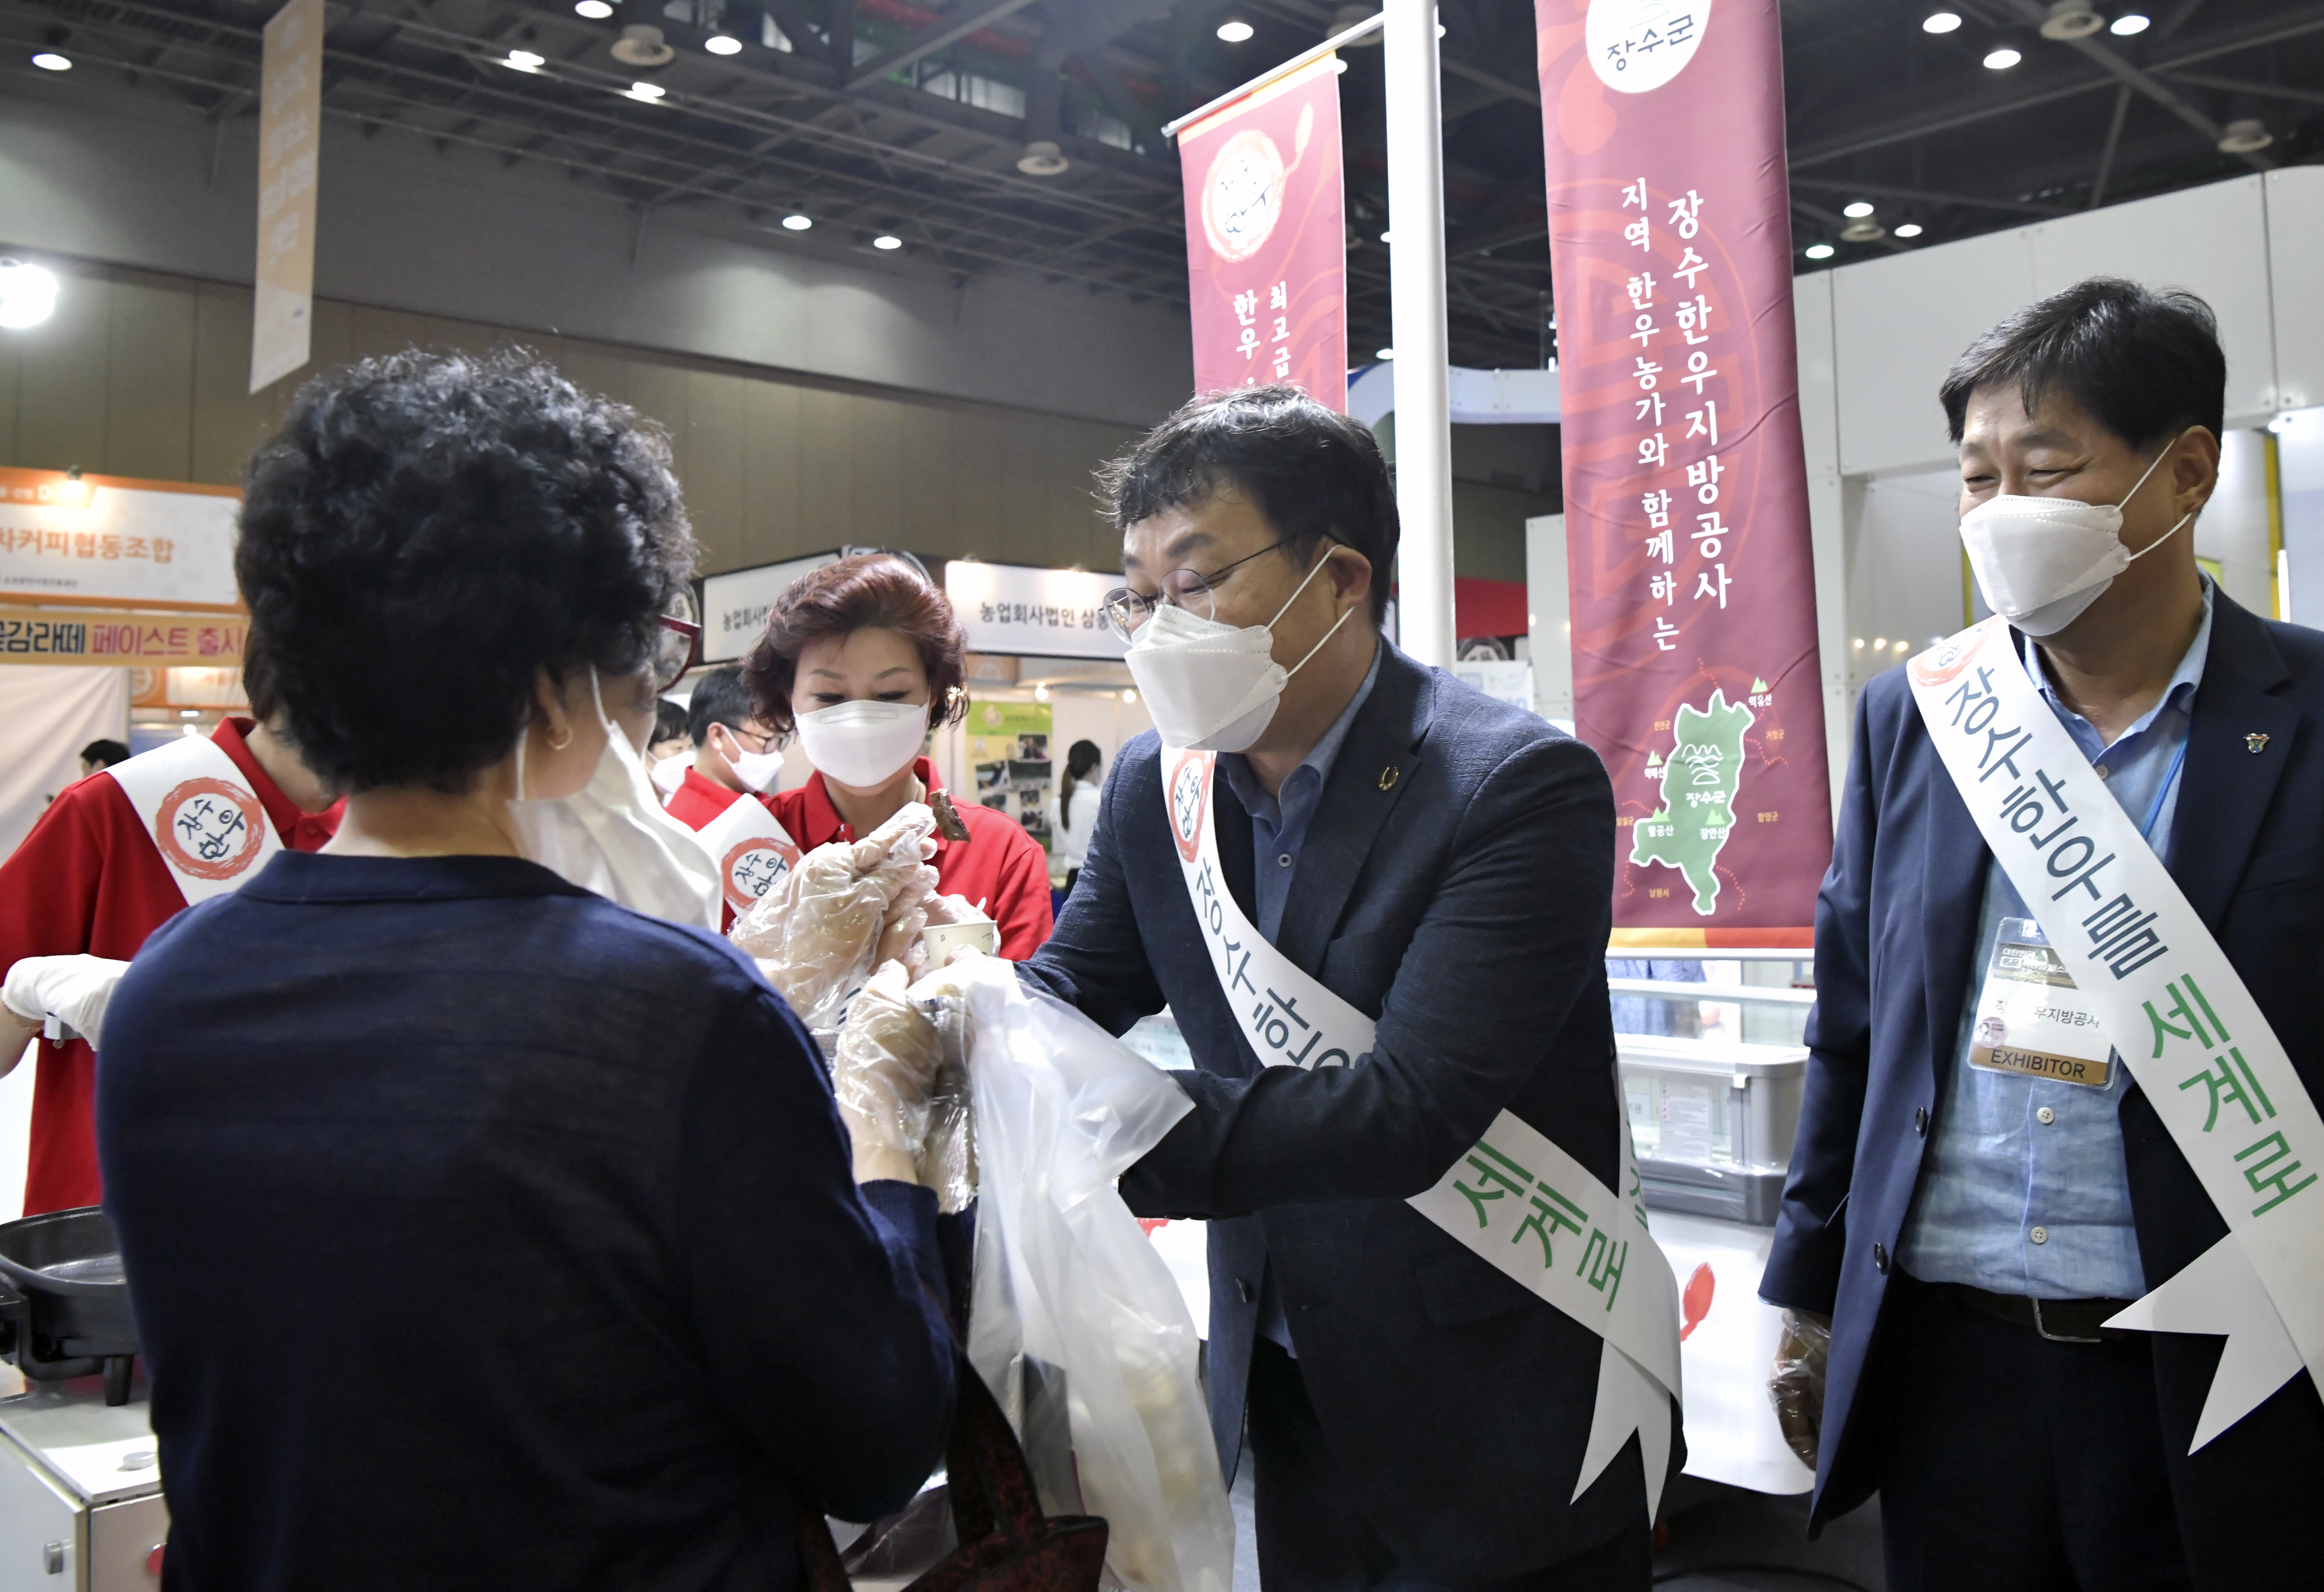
{"x":1443,"y":864}
{"x":1965,"y":1230}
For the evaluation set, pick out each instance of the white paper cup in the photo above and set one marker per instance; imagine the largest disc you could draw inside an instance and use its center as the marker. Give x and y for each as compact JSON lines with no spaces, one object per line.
{"x":939,"y":939}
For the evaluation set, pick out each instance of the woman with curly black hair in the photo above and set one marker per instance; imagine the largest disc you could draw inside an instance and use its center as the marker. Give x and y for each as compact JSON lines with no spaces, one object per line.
{"x":485,"y":1232}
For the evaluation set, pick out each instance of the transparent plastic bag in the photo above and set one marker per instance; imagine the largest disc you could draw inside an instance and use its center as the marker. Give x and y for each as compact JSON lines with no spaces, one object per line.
{"x":1073,"y":1312}
{"x":841,"y":911}
{"x":1795,"y":1382}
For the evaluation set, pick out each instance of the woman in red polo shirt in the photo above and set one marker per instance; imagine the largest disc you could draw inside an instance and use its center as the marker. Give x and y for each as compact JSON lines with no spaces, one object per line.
{"x":864,"y":657}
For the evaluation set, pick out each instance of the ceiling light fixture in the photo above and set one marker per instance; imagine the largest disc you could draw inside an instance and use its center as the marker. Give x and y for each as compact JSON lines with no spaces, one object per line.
{"x":722,"y":45}
{"x":2245,"y":136}
{"x":1042,"y":158}
{"x":648,"y":92}
{"x":596,"y":10}
{"x":1384,"y":354}
{"x":28,"y":294}
{"x":1911,"y":229}
{"x":2002,"y":60}
{"x":1386,"y":236}
{"x":1857,"y":209}
{"x":886,"y":240}
{"x":2070,"y":20}
{"x":796,"y":222}
{"x":1041,"y":693}
{"x":525,"y":61}
{"x":1941,"y":21}
{"x":1862,"y":232}
{"x":2130,"y":22}
{"x":49,"y":60}
{"x":1129,"y":696}
{"x":1820,"y":251}
{"x":642,"y":45}
{"x":1237,"y":32}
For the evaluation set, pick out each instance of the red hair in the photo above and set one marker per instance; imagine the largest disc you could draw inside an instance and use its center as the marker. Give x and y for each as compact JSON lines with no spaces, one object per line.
{"x":871,"y":590}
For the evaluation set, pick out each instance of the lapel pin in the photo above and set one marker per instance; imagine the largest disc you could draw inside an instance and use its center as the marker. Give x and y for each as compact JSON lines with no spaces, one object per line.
{"x":2256,"y":744}
{"x":1391,"y":773}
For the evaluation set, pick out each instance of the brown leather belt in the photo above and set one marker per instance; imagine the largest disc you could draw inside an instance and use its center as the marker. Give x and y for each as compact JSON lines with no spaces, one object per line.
{"x":2061,"y":1320}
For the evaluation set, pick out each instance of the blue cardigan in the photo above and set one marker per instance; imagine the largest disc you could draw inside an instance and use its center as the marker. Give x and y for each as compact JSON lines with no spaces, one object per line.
{"x":485,"y":1234}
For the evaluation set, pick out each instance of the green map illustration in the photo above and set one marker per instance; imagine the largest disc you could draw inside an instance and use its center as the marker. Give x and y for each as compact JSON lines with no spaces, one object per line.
{"x":1698,"y":787}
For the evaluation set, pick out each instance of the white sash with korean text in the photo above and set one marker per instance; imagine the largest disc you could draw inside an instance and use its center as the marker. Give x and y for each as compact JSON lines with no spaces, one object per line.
{"x":202,"y":817}
{"x":753,"y":852}
{"x":1516,"y":1200}
{"x":2171,"y":1003}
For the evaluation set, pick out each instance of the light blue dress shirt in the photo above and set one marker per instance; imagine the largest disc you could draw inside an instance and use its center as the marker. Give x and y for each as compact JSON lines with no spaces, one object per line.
{"x":1278,"y":827}
{"x":2011,"y":1200}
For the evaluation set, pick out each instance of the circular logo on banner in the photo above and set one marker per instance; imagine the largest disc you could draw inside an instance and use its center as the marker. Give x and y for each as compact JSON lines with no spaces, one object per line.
{"x":1637,"y":46}
{"x":1189,"y":792}
{"x":208,"y":828}
{"x":752,"y":868}
{"x":1242,"y":196}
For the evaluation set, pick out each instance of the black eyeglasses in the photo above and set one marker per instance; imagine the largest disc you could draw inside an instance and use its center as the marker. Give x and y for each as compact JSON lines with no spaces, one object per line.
{"x":1127,"y":609}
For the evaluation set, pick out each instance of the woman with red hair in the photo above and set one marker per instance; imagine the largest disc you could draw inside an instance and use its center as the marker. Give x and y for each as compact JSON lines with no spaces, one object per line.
{"x":864,"y":659}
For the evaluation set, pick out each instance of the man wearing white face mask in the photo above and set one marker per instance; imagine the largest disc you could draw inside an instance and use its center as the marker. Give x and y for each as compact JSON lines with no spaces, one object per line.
{"x":1377,"y":904}
{"x":2065,"y":831}
{"x":725,"y":795}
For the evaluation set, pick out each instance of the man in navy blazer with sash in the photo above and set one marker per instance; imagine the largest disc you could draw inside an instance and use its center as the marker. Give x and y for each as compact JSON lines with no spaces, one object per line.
{"x":1963,"y":1228}
{"x":1443,"y":864}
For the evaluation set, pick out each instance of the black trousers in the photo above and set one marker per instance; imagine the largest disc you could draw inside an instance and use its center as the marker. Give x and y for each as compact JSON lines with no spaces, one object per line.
{"x":1313,"y":1536}
{"x":2009,"y":1463}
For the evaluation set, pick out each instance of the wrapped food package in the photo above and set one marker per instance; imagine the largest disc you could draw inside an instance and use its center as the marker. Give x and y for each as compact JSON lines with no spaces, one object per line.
{"x":841,"y":911}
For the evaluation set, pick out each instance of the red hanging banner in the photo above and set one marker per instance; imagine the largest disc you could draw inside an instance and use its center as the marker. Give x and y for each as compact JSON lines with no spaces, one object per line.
{"x":1695,"y":670}
{"x":1267,"y":253}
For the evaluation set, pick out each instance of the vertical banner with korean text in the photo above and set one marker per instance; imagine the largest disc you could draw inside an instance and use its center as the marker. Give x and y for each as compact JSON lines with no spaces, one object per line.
{"x":1695,"y":672}
{"x":290,"y":121}
{"x":1267,"y":253}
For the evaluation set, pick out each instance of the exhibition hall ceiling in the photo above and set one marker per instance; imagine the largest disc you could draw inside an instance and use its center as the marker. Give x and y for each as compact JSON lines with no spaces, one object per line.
{"x":987,"y":136}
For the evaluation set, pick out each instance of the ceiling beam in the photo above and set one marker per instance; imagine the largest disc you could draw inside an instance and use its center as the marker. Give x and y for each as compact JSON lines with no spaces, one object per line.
{"x":1944,"y":121}
{"x":966,"y":17}
{"x":1882,"y":190}
{"x":2238,"y":85}
{"x":2146,"y":83}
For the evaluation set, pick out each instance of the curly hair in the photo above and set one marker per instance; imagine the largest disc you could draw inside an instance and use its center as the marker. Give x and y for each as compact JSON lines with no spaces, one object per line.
{"x":870,"y":591}
{"x":430,"y":532}
{"x":1311,"y":471}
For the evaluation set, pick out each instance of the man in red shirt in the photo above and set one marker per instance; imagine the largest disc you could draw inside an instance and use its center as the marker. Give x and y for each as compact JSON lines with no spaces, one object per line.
{"x":735,"y":751}
{"x":92,"y":879}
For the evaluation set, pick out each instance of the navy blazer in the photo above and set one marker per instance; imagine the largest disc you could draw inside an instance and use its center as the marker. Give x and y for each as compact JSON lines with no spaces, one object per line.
{"x":1454,"y":885}
{"x":1895,"y":935}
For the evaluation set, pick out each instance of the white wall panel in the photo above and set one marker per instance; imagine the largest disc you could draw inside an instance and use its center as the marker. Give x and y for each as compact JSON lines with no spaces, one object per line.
{"x":1827,"y":510}
{"x":2212,"y":241}
{"x":1898,"y":324}
{"x":2295,"y":246}
{"x":2233,"y":527}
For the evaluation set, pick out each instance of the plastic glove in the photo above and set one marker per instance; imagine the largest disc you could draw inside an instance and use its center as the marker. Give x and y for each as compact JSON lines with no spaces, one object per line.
{"x":883,"y":1074}
{"x":1795,"y":1382}
{"x":947,"y":1161}
{"x":817,"y":935}
{"x":67,"y":994}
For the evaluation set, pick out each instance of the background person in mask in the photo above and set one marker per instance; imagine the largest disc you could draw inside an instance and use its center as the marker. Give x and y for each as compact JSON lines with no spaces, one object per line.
{"x":1964,"y":1224}
{"x":864,"y":658}
{"x":1443,"y":864}
{"x":734,"y":751}
{"x":487,"y":1233}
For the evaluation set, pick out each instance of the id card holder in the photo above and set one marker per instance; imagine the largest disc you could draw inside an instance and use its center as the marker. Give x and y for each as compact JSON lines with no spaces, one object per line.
{"x":2030,"y":1019}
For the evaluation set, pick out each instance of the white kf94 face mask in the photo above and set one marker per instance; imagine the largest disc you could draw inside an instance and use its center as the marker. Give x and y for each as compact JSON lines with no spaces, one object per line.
{"x":612,"y":838}
{"x":1211,"y":686}
{"x":2040,"y":561}
{"x":863,"y":744}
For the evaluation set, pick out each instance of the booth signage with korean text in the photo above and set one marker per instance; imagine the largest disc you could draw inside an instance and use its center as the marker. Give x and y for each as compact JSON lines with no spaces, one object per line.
{"x":1267,"y":262}
{"x":735,"y":605}
{"x":1693,"y":591}
{"x":109,"y":540}
{"x":1034,"y":613}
